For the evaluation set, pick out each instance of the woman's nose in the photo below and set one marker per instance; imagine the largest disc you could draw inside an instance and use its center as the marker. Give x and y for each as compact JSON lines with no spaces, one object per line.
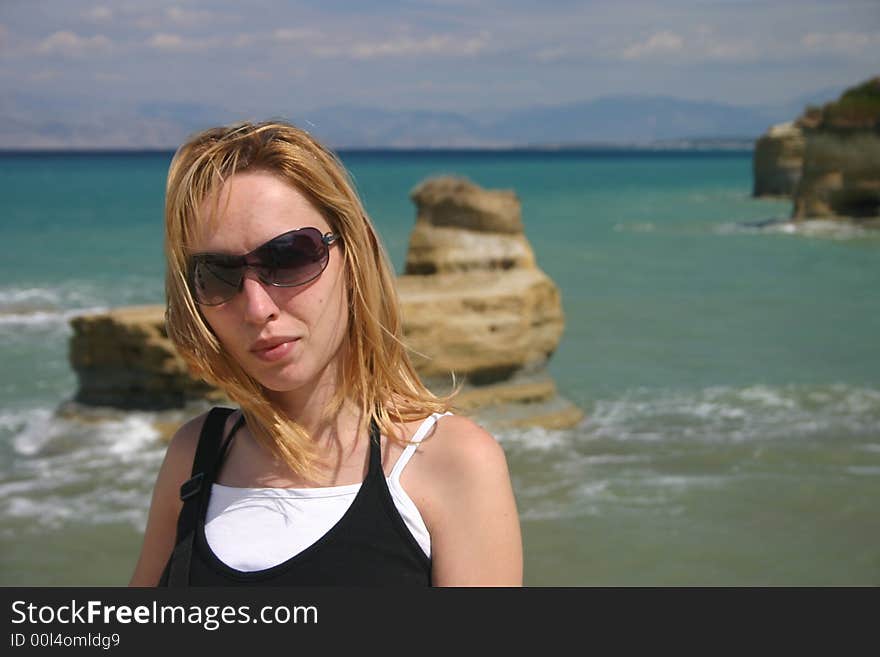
{"x":259,"y":306}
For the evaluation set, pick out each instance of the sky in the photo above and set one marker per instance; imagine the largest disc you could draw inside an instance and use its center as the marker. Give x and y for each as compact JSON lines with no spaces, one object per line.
{"x":75,"y":59}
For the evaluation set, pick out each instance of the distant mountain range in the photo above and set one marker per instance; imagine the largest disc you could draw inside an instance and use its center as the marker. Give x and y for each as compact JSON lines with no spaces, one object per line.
{"x":27,"y":122}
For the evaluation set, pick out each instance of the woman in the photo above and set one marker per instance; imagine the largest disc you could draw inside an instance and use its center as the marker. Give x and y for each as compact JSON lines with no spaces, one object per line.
{"x":340,"y":466}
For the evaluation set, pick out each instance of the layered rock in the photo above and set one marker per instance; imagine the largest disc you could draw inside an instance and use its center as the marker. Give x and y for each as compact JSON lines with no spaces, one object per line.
{"x":841,"y":173}
{"x":841,"y":176}
{"x":839,"y":147}
{"x":473,"y":303}
{"x":124,"y":359}
{"x":778,"y":160}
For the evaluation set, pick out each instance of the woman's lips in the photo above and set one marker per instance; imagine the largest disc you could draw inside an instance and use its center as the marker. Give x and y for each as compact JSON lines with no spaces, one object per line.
{"x":276,"y":352}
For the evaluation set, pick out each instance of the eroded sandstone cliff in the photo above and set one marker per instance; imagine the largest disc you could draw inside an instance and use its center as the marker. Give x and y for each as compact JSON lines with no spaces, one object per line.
{"x":828,"y":160}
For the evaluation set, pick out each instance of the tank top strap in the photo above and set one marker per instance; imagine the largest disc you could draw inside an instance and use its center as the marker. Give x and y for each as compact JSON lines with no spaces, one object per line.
{"x":375,"y":468}
{"x":410,"y":449}
{"x":225,"y":445}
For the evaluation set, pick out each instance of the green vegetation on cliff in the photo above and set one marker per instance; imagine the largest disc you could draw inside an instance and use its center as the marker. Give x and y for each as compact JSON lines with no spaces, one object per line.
{"x":857,"y":107}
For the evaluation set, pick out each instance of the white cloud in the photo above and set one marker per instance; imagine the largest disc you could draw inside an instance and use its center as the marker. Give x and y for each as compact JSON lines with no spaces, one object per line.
{"x":173,"y":42}
{"x":152,"y":18}
{"x":551,"y":54}
{"x":176,"y":43}
{"x":703,"y":43}
{"x":437,"y":45}
{"x":731,"y":50}
{"x":289,"y":34}
{"x":188,"y":17}
{"x":70,"y":43}
{"x":168,"y":42}
{"x":840,"y":42}
{"x":659,"y":43}
{"x":241,"y":40}
{"x":98,"y":14}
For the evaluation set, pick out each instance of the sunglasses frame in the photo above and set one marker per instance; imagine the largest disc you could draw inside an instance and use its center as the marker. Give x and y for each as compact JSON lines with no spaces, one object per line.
{"x":246,"y":262}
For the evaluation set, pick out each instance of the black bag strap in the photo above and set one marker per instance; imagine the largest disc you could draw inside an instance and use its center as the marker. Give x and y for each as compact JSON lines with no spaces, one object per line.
{"x":192,"y":491}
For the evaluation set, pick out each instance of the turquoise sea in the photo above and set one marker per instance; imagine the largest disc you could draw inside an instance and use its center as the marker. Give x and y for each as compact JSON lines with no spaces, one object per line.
{"x":730,"y":374}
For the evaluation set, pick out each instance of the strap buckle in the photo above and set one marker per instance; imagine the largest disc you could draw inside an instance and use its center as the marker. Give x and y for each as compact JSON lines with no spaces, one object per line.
{"x":191,"y":486}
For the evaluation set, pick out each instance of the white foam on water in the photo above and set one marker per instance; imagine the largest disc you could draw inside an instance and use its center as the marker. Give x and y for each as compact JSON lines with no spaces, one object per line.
{"x":70,"y":294}
{"x":826,"y":229}
{"x":615,"y":459}
{"x":864,"y":470}
{"x":682,"y":482}
{"x":636,"y":227}
{"x":590,"y":490}
{"x":29,"y":296}
{"x":730,"y":415}
{"x":77,"y":470}
{"x":39,"y":306}
{"x":534,"y":438}
{"x":48,"y":513}
{"x":561,"y":512}
{"x":47,"y":319}
{"x":128,"y":436}
{"x":761,"y":394}
{"x":33,"y":429}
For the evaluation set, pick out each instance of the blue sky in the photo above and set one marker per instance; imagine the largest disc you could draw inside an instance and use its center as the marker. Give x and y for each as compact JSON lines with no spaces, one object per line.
{"x":77,"y":58}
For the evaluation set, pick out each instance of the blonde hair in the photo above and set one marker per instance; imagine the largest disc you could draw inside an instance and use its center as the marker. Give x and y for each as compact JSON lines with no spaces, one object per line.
{"x":376,"y":373}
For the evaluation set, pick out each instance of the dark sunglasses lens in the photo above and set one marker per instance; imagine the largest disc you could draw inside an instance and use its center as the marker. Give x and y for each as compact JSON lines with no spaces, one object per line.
{"x":294,"y":258}
{"x":214,"y":283}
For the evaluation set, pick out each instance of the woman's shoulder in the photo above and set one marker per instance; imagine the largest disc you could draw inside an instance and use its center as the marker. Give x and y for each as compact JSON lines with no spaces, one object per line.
{"x":182,"y":446}
{"x":465,"y":496}
{"x":459,"y":452}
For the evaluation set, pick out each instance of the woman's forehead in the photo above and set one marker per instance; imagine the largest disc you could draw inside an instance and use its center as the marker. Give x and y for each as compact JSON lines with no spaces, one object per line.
{"x":250,"y":208}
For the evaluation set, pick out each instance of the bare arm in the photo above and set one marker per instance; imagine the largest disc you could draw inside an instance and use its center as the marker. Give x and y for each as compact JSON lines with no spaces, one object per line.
{"x":165,"y":506}
{"x":473,"y":520}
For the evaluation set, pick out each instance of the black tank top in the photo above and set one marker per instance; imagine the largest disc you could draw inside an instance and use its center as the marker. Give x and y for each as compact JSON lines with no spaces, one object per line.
{"x":369,"y":546}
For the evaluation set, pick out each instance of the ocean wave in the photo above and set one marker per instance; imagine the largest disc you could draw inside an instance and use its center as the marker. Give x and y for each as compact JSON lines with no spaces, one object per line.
{"x":53,"y":512}
{"x":39,"y":431}
{"x":46,"y":319}
{"x":657,"y":451}
{"x":37,"y":298}
{"x":69,"y":470}
{"x":864,"y":470}
{"x":727,"y":414}
{"x":534,"y":438}
{"x":636,"y":227}
{"x":49,"y":306}
{"x":811,"y":228}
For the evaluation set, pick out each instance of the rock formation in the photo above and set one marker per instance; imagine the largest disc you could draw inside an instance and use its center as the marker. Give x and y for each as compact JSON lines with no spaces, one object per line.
{"x":841,"y":174}
{"x":778,"y":159}
{"x":839,"y":177}
{"x":473,"y":303}
{"x":124,"y":359}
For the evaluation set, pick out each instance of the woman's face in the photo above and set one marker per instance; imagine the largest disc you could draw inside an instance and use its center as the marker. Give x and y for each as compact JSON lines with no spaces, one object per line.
{"x":284,"y":337}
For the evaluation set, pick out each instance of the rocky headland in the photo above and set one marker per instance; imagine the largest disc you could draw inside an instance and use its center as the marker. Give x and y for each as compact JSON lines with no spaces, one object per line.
{"x":778,"y":160}
{"x":828,"y":160}
{"x":473,"y":301}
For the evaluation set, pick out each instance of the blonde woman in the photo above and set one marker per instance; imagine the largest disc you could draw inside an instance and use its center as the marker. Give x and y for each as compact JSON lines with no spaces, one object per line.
{"x":339,"y":467}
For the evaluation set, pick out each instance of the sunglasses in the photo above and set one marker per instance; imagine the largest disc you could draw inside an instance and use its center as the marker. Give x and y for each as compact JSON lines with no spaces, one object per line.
{"x":293,"y":258}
